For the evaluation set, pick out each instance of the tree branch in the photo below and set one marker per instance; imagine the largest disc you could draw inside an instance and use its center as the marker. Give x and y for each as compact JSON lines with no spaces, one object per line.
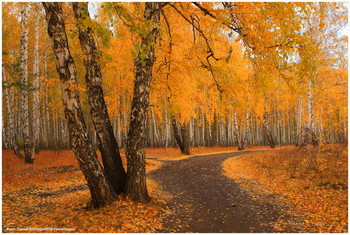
{"x":210,"y":51}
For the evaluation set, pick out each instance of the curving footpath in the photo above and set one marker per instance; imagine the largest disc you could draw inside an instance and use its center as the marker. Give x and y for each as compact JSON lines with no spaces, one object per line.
{"x":206,"y":201}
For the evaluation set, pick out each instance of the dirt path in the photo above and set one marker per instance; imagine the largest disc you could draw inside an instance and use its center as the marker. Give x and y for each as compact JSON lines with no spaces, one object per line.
{"x":204,"y":200}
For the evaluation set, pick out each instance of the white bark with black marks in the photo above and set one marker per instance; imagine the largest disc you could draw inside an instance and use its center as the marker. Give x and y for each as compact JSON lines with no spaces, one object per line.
{"x":136,"y":188}
{"x":36,"y":100}
{"x":28,"y":143}
{"x":107,"y":143}
{"x":299,"y":124}
{"x":8,"y":96}
{"x":102,"y":192}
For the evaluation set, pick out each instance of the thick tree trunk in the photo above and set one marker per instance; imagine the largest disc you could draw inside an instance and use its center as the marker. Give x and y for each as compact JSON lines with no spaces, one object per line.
{"x":270,"y":138}
{"x":182,"y":137}
{"x":28,"y":144}
{"x":36,"y":101}
{"x":185,"y":134}
{"x":101,"y":191}
{"x":265,"y":122}
{"x":135,"y":150}
{"x":177,"y":133}
{"x":106,"y":140}
{"x":8,"y":95}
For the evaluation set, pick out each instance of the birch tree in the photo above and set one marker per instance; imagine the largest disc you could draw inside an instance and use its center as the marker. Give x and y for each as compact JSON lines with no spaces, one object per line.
{"x":101,"y":191}
{"x":36,"y":101}
{"x":28,"y":144}
{"x":8,"y":97}
{"x":107,"y":143}
{"x":136,"y":187}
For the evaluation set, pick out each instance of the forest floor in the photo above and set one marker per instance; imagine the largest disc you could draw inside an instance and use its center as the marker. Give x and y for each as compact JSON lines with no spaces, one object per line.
{"x":313,"y":180}
{"x":50,"y":195}
{"x":189,"y":193}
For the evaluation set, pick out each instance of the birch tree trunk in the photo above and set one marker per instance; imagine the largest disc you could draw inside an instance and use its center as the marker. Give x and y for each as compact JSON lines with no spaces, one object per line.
{"x":5,"y":143}
{"x":310,"y":133}
{"x":102,"y":192}
{"x":312,"y":122}
{"x":36,"y":101}
{"x":247,"y":127}
{"x":28,"y":144}
{"x":124,"y":119}
{"x":167,"y":131}
{"x":181,"y":136}
{"x":299,"y":118}
{"x":8,"y":95}
{"x":239,"y":139}
{"x":265,"y":122}
{"x":185,"y":134}
{"x":106,"y":140}
{"x":214,"y":131}
{"x":47,"y":110}
{"x":155,"y":130}
{"x":135,"y":150}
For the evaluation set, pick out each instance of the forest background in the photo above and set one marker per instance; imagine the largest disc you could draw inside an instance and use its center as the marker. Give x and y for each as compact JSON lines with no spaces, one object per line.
{"x":233,"y":95}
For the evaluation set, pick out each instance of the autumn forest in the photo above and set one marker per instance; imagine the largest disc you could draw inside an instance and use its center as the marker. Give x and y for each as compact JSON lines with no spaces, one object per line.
{"x":174,"y":117}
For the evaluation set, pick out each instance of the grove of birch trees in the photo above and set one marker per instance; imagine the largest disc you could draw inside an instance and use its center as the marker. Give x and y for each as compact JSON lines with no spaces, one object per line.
{"x":139,"y":75}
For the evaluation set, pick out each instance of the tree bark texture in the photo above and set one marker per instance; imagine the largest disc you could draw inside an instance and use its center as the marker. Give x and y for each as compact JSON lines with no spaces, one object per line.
{"x":101,"y":191}
{"x":298,"y":142}
{"x":36,"y":101}
{"x":28,"y":144}
{"x":239,"y":138}
{"x":182,"y":137}
{"x":135,"y":150}
{"x":247,"y":127}
{"x":8,"y":95}
{"x":177,"y":134}
{"x":106,"y":140}
{"x":310,"y":133}
{"x":185,"y":134}
{"x":269,"y":133}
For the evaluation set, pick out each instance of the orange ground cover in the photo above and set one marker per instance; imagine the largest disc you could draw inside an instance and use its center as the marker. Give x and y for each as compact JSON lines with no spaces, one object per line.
{"x":315,"y":180}
{"x":45,"y":196}
{"x":40,"y":198}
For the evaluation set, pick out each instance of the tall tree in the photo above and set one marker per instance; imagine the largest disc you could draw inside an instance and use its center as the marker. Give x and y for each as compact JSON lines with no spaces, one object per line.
{"x":269,"y":133}
{"x":182,"y":137}
{"x":102,"y":192}
{"x":8,"y":97}
{"x":136,"y":187}
{"x":28,"y":144}
{"x":36,"y":101}
{"x":238,"y":135}
{"x":107,"y":143}
{"x":299,"y":122}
